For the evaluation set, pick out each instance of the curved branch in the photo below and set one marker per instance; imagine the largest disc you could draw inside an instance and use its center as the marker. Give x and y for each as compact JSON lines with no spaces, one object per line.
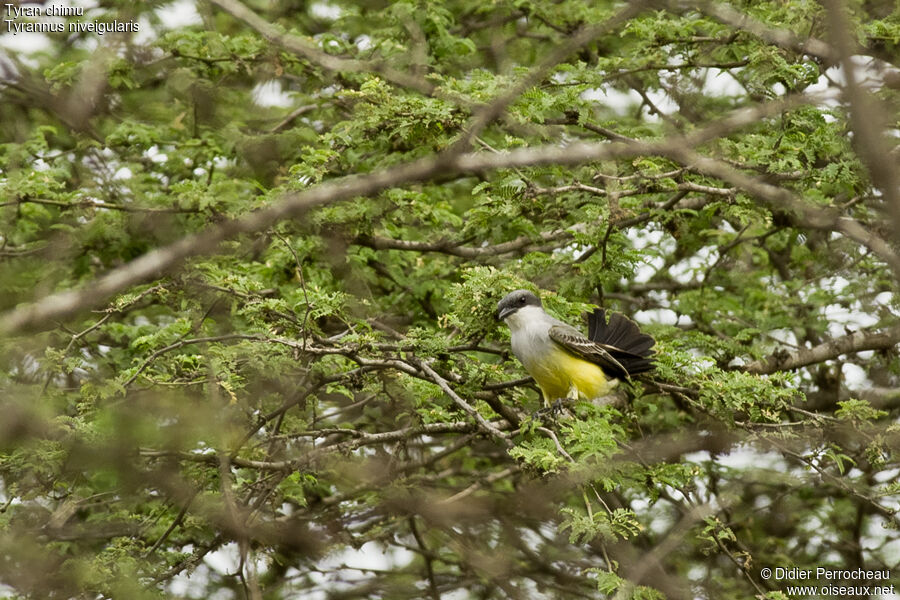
{"x":782,"y":38}
{"x":302,"y":48}
{"x":867,"y":116}
{"x":164,"y":260}
{"x":580,"y":38}
{"x":450,"y":247}
{"x":483,"y":424}
{"x":855,"y":342}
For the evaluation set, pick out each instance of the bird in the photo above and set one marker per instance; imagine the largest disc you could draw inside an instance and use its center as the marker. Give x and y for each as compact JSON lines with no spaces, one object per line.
{"x":566,"y":364}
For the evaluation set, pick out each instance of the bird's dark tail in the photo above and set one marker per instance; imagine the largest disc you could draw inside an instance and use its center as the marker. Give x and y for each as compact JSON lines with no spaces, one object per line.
{"x":622,"y":338}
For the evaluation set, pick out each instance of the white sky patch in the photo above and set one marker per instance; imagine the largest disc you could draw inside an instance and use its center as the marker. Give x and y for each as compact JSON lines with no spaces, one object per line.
{"x":640,"y":505}
{"x":836,"y":283}
{"x":719,"y":82}
{"x":147,"y":35}
{"x":854,"y":376}
{"x":660,"y":522}
{"x":645,"y":272}
{"x":885,"y":298}
{"x":616,"y":100}
{"x":698,"y":457}
{"x":91,"y":43}
{"x":785,"y":336}
{"x":762,"y":502}
{"x":662,"y":101}
{"x":701,"y":363}
{"x":179,"y":14}
{"x":642,"y":239}
{"x":841,"y":318}
{"x":123,"y":173}
{"x":883,"y":476}
{"x":697,"y":573}
{"x":271,"y":93}
{"x":623,"y":102}
{"x":685,"y":320}
{"x":746,"y":457}
{"x":325,"y":11}
{"x":870,"y":74}
{"x":875,"y":536}
{"x":194,"y":584}
{"x":226,"y":559}
{"x":222,"y":162}
{"x":364,"y":42}
{"x":370,"y":556}
{"x":685,"y":269}
{"x":154,"y":154}
{"x":26,"y":43}
{"x":663,"y":316}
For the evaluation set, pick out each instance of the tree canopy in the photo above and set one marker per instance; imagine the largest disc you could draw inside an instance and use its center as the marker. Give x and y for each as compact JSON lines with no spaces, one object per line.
{"x":249,"y":260}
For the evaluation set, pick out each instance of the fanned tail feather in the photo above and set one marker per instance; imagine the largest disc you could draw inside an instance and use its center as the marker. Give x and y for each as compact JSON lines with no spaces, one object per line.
{"x":623,"y":339}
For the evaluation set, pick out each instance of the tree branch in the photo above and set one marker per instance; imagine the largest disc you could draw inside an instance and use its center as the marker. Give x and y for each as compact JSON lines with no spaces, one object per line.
{"x":867,"y":118}
{"x":164,"y":260}
{"x":450,"y":247}
{"x":855,"y":342}
{"x":782,"y":38}
{"x":580,"y":38}
{"x":304,"y":49}
{"x":483,"y":424}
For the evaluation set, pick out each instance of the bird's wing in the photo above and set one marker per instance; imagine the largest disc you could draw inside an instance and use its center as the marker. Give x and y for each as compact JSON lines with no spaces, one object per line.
{"x":620,"y":333}
{"x":622,"y":338}
{"x":599,"y":354}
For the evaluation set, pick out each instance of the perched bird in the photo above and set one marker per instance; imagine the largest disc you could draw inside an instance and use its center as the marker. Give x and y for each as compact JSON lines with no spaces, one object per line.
{"x":567,"y":364}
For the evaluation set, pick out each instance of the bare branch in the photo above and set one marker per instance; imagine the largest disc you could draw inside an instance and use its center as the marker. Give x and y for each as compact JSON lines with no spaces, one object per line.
{"x":304,"y":49}
{"x":181,"y":343}
{"x":866,"y":116}
{"x":502,"y":474}
{"x":855,"y":342}
{"x":163,"y":260}
{"x":642,"y":571}
{"x":483,"y":424}
{"x":777,"y":199}
{"x":449,"y":247}
{"x":782,"y":38}
{"x":297,"y":112}
{"x":98,"y":204}
{"x":582,"y":37}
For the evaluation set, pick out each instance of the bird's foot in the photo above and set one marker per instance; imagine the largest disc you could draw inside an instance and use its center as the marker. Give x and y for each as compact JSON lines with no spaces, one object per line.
{"x":556,"y":408}
{"x":551,"y":411}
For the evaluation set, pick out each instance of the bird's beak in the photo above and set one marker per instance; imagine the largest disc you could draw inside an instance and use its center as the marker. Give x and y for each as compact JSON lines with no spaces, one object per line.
{"x":504,"y":312}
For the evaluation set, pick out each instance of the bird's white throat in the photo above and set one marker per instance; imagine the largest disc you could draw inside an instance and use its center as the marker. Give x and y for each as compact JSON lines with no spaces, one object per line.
{"x":525,"y":317}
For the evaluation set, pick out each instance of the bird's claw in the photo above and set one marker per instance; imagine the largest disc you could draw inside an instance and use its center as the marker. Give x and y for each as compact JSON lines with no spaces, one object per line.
{"x":551,"y":411}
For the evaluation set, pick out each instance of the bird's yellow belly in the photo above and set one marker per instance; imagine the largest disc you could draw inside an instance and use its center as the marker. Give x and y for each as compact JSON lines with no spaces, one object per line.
{"x":563,"y":375}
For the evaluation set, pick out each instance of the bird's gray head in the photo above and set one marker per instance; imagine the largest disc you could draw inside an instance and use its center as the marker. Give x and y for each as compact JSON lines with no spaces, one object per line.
{"x":514,"y":301}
